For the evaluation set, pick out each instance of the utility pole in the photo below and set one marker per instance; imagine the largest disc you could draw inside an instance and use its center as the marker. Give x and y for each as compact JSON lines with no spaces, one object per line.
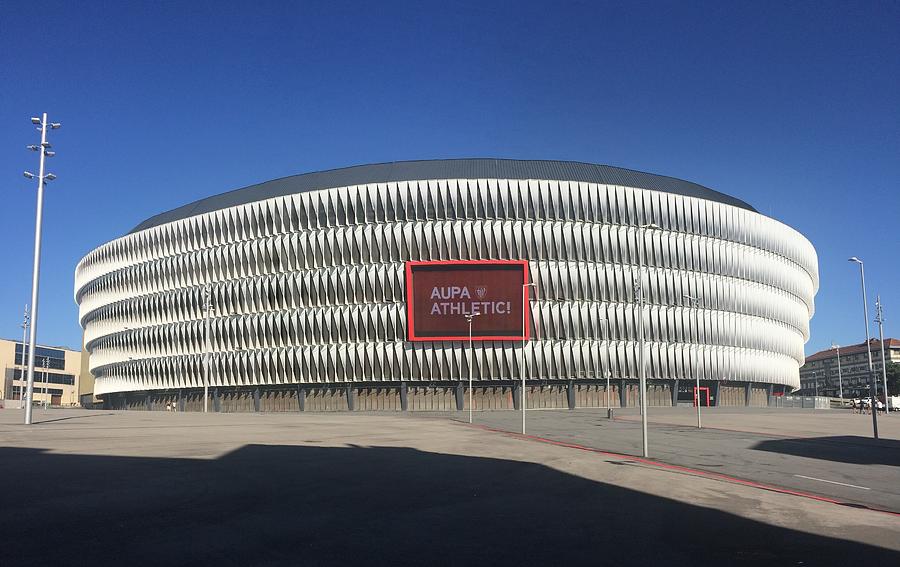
{"x":44,"y":149}
{"x":879,"y":318}
{"x":46,"y":366}
{"x":840,"y":377}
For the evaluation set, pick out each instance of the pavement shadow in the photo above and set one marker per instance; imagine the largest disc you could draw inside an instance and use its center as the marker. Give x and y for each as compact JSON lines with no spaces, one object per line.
{"x":844,"y":449}
{"x":70,"y":417}
{"x":298,"y":505}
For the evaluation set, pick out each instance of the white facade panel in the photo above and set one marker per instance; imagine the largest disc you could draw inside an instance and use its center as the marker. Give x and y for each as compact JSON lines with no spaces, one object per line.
{"x":309,"y":287}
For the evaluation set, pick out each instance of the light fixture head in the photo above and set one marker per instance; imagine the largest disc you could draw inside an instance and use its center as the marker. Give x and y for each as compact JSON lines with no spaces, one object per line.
{"x":48,"y":153}
{"x":35,"y":120}
{"x":50,"y":177}
{"x":33,"y":147}
{"x":55,"y":125}
{"x":855,"y":259}
{"x":28,"y":174}
{"x":46,"y":144}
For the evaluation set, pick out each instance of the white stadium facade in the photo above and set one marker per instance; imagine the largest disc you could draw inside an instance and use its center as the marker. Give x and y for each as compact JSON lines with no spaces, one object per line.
{"x":307,"y":283}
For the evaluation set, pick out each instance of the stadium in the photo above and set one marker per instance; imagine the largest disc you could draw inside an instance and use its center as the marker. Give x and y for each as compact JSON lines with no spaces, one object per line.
{"x":359,"y":289}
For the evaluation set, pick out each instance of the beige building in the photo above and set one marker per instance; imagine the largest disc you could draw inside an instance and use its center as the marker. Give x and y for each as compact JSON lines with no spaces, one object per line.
{"x":820,"y":376}
{"x":86,"y":381}
{"x":56,"y":373}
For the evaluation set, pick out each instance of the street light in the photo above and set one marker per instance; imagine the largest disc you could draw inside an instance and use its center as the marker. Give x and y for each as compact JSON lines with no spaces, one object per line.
{"x":207,"y":309}
{"x":36,"y":271}
{"x":525,"y":307}
{"x":840,"y":377}
{"x":605,"y":323}
{"x":694,"y":303}
{"x":879,"y":318}
{"x":46,"y":380}
{"x":642,"y":375}
{"x":872,"y":392}
{"x":24,"y":370}
{"x":469,"y":318}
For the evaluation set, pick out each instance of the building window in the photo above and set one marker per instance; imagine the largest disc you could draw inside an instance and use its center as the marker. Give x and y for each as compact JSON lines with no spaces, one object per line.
{"x":42,"y":377}
{"x":43,"y":357}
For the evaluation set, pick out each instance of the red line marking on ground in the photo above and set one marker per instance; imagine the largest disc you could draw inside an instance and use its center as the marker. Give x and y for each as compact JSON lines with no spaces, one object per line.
{"x":689,"y":470}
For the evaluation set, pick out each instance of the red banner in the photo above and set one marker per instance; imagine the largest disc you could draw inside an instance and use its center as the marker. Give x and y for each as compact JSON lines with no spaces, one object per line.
{"x":439,"y":295}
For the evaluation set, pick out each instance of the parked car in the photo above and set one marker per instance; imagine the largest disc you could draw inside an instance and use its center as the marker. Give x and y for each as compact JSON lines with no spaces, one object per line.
{"x":867,"y":403}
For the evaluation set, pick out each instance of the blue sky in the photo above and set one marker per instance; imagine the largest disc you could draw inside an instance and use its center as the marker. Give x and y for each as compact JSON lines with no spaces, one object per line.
{"x":792,"y":107}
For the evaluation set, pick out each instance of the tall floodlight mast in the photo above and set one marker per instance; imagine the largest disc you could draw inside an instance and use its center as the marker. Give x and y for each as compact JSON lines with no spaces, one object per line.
{"x":45,"y":152}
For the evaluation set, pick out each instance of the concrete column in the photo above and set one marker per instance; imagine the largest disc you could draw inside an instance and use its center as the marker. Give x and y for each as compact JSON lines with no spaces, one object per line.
{"x":517,"y":394}
{"x":570,"y":394}
{"x":769,"y":394}
{"x":301,"y":398}
{"x":404,"y":401}
{"x":351,"y":398}
{"x":460,"y":397}
{"x":256,"y":399}
{"x":149,"y":402}
{"x":217,"y":401}
{"x":623,"y":397}
{"x":674,"y":392}
{"x":747,"y":394}
{"x":180,"y":401}
{"x":718,"y":393}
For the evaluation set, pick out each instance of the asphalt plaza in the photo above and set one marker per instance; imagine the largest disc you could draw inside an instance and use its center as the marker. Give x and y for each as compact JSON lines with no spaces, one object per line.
{"x":829,"y":453}
{"x":388,"y":489}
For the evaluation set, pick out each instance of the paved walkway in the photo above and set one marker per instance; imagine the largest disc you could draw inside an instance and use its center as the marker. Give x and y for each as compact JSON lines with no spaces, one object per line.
{"x":157,"y":488}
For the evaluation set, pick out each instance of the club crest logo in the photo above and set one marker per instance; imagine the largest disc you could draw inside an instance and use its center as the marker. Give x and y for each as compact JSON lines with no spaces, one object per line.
{"x":481,"y":292}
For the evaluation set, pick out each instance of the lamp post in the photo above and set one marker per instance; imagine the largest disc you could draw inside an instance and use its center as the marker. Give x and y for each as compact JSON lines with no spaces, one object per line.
{"x":469,"y":318}
{"x":862,"y":276}
{"x":207,"y":309}
{"x":642,"y":373}
{"x":605,"y":324}
{"x":608,"y":408}
{"x":525,"y":306}
{"x":840,"y":376}
{"x":694,"y":303}
{"x":46,"y":366}
{"x":24,"y":371}
{"x":45,"y":152}
{"x":879,"y":318}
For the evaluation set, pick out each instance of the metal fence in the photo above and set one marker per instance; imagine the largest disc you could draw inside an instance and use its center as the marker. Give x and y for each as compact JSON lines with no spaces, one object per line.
{"x":806,"y":402}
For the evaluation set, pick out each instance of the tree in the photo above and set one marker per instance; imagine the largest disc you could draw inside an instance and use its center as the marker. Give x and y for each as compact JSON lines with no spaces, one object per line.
{"x":893,"y":378}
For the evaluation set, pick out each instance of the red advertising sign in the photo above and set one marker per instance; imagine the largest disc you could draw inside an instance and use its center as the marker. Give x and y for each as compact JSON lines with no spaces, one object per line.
{"x":439,"y":295}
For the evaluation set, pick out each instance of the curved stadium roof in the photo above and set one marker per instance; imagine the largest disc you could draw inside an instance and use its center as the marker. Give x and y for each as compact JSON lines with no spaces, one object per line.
{"x":481,"y":168}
